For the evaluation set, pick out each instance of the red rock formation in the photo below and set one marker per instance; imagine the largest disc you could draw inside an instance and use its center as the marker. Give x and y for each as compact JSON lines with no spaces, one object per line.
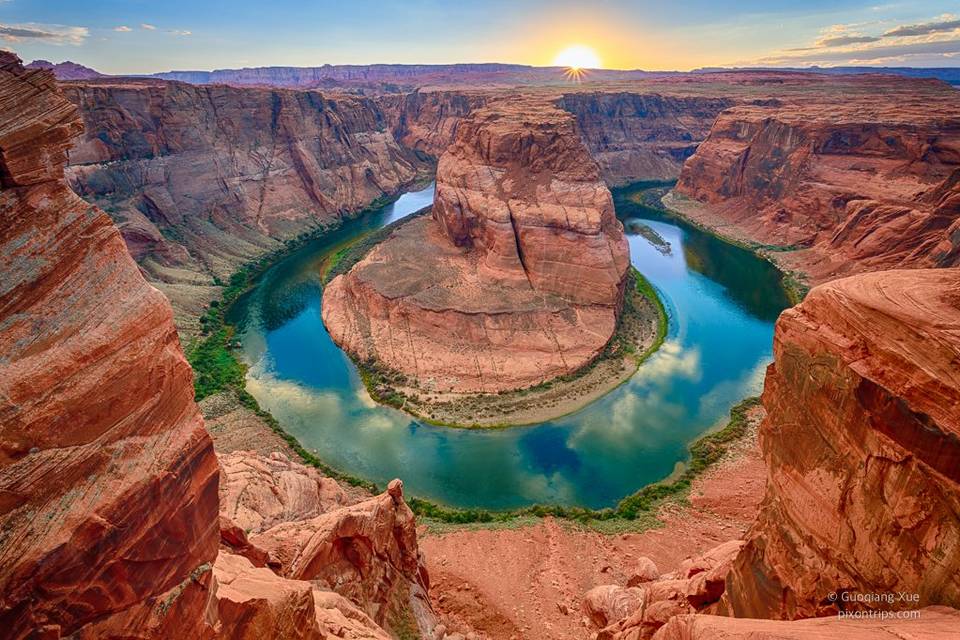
{"x":867,"y":378}
{"x":366,"y":552}
{"x":866,"y":183}
{"x":108,"y":481}
{"x":256,"y":603}
{"x":634,"y":612}
{"x":66,"y":70}
{"x":520,"y":188}
{"x":931,"y":623}
{"x":637,"y":136}
{"x":426,"y":121}
{"x":203,"y":179}
{"x":257,"y":492}
{"x":516,"y":279}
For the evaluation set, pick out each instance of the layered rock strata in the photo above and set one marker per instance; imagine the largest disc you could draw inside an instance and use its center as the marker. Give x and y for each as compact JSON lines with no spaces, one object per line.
{"x":864,"y":516}
{"x":203,"y":179}
{"x":851,"y":186}
{"x":642,"y":136}
{"x":516,"y":278}
{"x":866,"y":376}
{"x":108,"y":480}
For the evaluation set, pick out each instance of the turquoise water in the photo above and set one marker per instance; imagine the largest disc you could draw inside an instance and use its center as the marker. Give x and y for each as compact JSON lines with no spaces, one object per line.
{"x":722,"y":302}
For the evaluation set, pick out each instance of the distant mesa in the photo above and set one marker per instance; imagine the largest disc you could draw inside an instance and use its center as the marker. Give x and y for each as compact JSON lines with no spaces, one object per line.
{"x":66,"y":70}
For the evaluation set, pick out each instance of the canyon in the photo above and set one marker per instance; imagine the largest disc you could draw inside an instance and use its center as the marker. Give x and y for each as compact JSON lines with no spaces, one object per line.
{"x":110,"y":510}
{"x":203,"y":179}
{"x":865,"y":375}
{"x":516,"y":278}
{"x":125,"y":515}
{"x":850,"y":187}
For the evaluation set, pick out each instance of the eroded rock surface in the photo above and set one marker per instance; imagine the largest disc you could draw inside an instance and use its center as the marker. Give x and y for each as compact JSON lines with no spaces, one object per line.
{"x":859,"y":184}
{"x":516,"y":278}
{"x":108,"y":480}
{"x":201,"y":180}
{"x":642,"y":136}
{"x":366,"y":552}
{"x":254,"y":603}
{"x":866,"y":376}
{"x":257,"y":492}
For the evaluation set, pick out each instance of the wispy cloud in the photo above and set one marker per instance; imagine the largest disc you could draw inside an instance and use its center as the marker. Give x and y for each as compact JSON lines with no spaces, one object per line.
{"x":180,"y":32}
{"x":848,"y":44}
{"x":869,"y":55}
{"x":49,"y":33}
{"x":123,"y":29}
{"x":843,"y":41}
{"x":148,"y":27}
{"x":923,"y":29}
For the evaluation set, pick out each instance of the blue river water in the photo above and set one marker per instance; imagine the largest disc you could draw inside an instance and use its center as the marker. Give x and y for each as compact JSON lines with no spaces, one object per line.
{"x":722,"y":302}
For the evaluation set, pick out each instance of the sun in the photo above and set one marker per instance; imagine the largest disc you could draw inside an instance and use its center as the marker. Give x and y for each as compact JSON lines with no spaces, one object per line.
{"x":578,"y":57}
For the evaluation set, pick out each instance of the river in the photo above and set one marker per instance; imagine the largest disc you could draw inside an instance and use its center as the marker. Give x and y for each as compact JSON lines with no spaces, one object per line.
{"x":722,"y":301}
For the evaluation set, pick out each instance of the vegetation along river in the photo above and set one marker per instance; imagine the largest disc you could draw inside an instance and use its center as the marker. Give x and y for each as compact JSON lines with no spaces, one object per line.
{"x":722,"y":301}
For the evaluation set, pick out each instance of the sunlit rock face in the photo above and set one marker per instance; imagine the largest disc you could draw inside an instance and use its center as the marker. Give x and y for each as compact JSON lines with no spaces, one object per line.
{"x":642,"y":136}
{"x":203,"y":179}
{"x":862,"y":442}
{"x":516,"y":278}
{"x":108,"y":480}
{"x":866,"y":183}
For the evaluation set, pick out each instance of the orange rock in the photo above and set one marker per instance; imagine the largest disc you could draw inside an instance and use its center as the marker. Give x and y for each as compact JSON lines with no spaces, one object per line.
{"x":257,"y":492}
{"x":866,"y":378}
{"x":108,"y":481}
{"x":517,"y":278}
{"x":203,"y":179}
{"x":640,"y":609}
{"x":255,"y":603}
{"x":862,"y":184}
{"x":366,"y":552}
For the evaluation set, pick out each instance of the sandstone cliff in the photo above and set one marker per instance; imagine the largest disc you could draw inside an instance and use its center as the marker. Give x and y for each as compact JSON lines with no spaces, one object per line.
{"x":642,"y":136}
{"x":861,"y":184}
{"x":862,"y":505}
{"x":107,"y":476}
{"x":109,"y":524}
{"x":426,"y":121}
{"x":203,"y":179}
{"x":866,"y":376}
{"x":517,"y":277}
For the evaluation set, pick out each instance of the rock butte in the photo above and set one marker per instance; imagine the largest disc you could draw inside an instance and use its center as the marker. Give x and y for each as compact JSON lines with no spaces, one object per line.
{"x":516,"y":278}
{"x":108,"y":480}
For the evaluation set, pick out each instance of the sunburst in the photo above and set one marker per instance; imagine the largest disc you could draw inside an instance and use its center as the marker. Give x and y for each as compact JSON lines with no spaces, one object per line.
{"x":577,"y":59}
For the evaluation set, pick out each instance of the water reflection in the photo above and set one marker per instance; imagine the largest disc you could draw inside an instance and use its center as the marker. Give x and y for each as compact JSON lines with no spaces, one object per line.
{"x":721,"y":300}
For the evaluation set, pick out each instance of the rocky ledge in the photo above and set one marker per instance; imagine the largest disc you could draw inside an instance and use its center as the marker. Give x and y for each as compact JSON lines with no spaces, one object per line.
{"x":863,"y":517}
{"x":865,"y":183}
{"x":110,"y":515}
{"x":517,"y":277}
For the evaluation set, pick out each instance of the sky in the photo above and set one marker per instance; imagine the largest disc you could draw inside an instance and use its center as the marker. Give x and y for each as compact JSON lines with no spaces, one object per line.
{"x":141,"y":36}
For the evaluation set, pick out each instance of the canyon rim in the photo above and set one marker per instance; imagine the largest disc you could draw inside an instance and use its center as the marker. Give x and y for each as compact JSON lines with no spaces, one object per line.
{"x":545,"y":349}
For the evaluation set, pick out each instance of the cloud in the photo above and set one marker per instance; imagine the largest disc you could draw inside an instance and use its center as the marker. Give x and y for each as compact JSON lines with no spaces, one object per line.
{"x":923,"y":29}
{"x":52,"y":34}
{"x":148,"y":27}
{"x":843,"y":41}
{"x":122,"y":29}
{"x":180,"y":32}
{"x":871,"y":55}
{"x":846,"y":44}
